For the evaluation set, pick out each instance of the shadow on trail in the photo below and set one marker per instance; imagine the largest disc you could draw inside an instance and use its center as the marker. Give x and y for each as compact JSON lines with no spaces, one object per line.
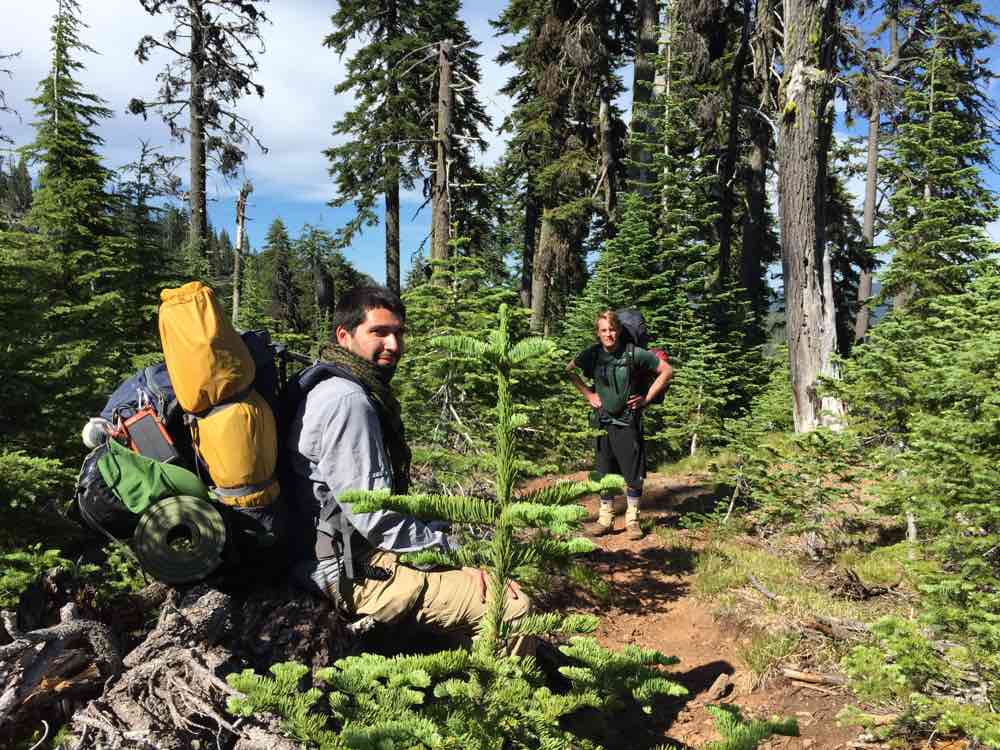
{"x":684,"y":498}
{"x":636,"y":579}
{"x":631,"y":728}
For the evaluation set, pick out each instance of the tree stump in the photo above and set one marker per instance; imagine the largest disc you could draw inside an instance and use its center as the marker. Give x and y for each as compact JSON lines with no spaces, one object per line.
{"x":170,"y":690}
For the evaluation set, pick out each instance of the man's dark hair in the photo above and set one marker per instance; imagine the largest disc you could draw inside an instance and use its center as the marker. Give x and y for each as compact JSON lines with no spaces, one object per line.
{"x":353,"y":306}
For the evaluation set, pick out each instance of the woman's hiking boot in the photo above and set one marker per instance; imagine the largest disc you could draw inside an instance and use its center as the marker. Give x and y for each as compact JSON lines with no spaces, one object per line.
{"x":633,"y":531}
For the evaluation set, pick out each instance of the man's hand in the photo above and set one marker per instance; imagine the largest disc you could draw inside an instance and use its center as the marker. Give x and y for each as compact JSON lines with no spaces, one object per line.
{"x":594,"y":400}
{"x":478,"y":575}
{"x":637,"y":402}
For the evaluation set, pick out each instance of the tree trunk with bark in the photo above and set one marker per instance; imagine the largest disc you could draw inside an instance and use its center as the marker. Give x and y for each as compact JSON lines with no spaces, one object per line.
{"x":440,"y":210}
{"x":609,"y":164}
{"x":806,"y":108}
{"x":642,"y":94}
{"x":550,"y":256}
{"x":532,"y":215}
{"x":241,"y":212}
{"x":198,"y":228}
{"x":755,"y":221}
{"x":861,"y":321}
{"x":392,"y":273}
{"x":731,"y":155}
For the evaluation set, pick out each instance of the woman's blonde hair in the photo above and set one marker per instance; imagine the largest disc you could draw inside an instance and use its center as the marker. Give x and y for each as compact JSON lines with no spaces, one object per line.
{"x":609,"y":315}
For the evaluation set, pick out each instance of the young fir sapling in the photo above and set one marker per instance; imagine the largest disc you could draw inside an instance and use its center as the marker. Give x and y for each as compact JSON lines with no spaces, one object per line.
{"x":478,"y":698}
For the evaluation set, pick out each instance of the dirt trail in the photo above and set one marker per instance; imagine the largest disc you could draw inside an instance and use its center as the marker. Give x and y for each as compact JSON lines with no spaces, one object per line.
{"x":652,"y":606}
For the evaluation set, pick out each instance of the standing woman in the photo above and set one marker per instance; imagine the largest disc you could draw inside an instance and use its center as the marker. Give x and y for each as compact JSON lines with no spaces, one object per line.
{"x":618,"y":412}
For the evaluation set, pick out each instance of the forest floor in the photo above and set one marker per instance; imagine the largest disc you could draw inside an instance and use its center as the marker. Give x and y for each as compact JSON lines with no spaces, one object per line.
{"x":652,"y":600}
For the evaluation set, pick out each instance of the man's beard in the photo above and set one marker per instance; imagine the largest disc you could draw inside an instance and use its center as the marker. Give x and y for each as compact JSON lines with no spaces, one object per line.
{"x":385,"y":372}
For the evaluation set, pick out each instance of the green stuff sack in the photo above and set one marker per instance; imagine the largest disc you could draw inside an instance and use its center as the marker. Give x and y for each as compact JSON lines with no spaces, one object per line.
{"x":139,"y":482}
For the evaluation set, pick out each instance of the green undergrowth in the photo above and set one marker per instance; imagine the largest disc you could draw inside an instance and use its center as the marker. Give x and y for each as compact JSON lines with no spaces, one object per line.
{"x":700,"y":463}
{"x":763,"y":651}
{"x":726,"y":572}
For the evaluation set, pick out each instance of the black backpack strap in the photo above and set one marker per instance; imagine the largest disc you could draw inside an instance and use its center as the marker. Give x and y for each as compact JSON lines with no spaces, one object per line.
{"x":629,"y":365}
{"x":339,"y":527}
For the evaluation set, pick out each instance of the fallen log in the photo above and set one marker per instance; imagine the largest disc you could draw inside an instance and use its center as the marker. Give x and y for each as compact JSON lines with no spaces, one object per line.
{"x":838,"y":629}
{"x":814,"y":678}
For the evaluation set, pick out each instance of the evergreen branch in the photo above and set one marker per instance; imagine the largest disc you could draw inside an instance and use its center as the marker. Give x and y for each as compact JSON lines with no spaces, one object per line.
{"x":431,"y":558}
{"x":461,"y":345}
{"x":425,"y":507}
{"x":563,"y":549}
{"x":562,"y":493}
{"x":533,"y":514}
{"x":551,"y":623}
{"x":740,"y":734}
{"x":529,"y":349}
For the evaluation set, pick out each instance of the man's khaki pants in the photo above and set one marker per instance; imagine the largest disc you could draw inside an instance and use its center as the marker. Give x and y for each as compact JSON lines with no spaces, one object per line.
{"x":448,"y":601}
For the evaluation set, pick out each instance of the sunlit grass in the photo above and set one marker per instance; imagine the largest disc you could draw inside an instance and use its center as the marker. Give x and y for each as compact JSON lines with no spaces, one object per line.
{"x":765,"y":651}
{"x":699,"y":463}
{"x":723,"y":572}
{"x":883,"y":566}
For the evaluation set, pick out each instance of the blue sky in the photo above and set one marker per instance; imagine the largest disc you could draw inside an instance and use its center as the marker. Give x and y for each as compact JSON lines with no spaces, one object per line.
{"x":294,"y":119}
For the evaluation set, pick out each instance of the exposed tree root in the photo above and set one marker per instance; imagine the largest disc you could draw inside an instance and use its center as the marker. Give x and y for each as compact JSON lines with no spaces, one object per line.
{"x":170,"y":690}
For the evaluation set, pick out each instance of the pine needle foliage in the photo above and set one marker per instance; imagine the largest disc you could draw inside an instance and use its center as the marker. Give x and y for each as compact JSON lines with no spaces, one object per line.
{"x":448,"y":398}
{"x":551,"y":512}
{"x":941,"y":206}
{"x":477,"y":698}
{"x":935,"y":416}
{"x":73,"y":340}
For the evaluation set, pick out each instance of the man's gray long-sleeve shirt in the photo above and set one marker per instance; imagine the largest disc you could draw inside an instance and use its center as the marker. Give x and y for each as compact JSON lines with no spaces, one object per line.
{"x":335,"y":444}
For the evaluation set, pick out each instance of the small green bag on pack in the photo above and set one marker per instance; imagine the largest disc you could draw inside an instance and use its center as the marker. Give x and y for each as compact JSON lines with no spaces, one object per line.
{"x":140,"y":482}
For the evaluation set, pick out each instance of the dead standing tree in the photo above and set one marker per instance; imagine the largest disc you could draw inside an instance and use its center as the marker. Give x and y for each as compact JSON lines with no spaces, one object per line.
{"x":4,"y":107}
{"x":241,"y":233}
{"x":806,"y":103}
{"x":878,"y":92}
{"x":441,"y":208}
{"x":205,"y":79}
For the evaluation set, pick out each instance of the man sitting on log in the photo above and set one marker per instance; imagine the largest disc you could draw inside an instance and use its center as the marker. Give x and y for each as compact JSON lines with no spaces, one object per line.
{"x":347,"y":433}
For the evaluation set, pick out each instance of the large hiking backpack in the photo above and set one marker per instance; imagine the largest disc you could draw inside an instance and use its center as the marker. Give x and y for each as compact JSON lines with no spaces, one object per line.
{"x":635,"y":333}
{"x":212,"y":372}
{"x":230,"y":443}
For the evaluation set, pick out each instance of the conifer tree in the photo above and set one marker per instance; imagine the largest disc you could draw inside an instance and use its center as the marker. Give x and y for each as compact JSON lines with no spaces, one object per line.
{"x":447,"y":399}
{"x":389,"y":134}
{"x":566,"y":132}
{"x":322,"y":274}
{"x":71,"y":209}
{"x":284,"y":293}
{"x":941,"y":206}
{"x":923,"y":386}
{"x":15,"y":191}
{"x":75,"y":256}
{"x":212,"y":69}
{"x":141,"y":185}
{"x":255,"y":299}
